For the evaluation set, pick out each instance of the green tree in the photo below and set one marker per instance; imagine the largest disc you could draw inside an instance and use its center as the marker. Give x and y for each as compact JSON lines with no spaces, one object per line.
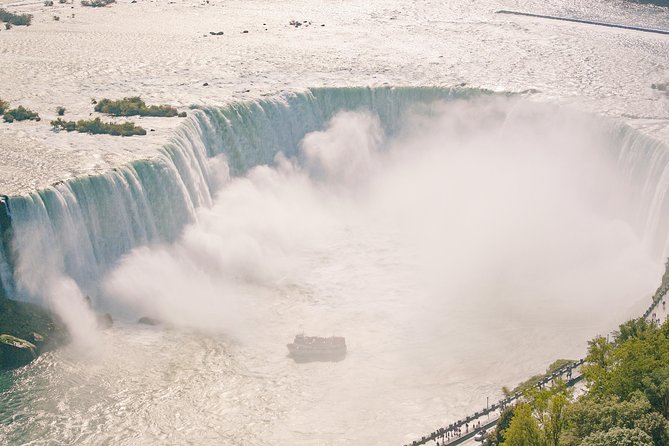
{"x":542,"y":419}
{"x":550,"y":408}
{"x":524,"y":429}
{"x":637,"y":362}
{"x":619,"y":437}
{"x":554,"y":418}
{"x":595,"y":414}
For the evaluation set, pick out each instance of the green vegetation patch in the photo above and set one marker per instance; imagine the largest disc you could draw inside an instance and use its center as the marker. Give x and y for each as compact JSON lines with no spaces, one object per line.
{"x":20,"y":113}
{"x":4,"y":106}
{"x":135,"y":106}
{"x":534,"y":380}
{"x":15,"y":19}
{"x":97,"y":127}
{"x":97,"y":3}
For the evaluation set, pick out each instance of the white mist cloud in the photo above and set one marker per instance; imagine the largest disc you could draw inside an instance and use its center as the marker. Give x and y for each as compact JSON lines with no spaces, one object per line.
{"x":515,"y":210}
{"x":479,"y":215}
{"x":344,"y":152}
{"x":66,"y":299}
{"x":212,"y":277}
{"x":485,"y":235}
{"x":40,"y":274}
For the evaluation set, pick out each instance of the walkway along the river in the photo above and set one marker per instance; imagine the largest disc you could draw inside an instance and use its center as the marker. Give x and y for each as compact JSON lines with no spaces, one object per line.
{"x":466,"y":428}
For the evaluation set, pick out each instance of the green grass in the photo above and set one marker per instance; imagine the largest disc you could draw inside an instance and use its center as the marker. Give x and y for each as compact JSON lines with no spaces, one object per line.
{"x":135,"y":106}
{"x":15,"y":19}
{"x":97,"y":127}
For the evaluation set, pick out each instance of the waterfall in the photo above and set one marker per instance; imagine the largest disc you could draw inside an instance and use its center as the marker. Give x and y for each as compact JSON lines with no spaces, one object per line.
{"x":644,"y":164}
{"x":81,"y":227}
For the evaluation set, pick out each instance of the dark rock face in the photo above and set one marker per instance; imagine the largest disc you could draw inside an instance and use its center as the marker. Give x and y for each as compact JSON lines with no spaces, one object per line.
{"x":26,"y":330}
{"x":15,"y":352}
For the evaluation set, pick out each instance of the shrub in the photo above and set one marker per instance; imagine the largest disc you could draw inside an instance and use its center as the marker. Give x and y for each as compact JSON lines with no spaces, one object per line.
{"x":20,"y":113}
{"x":97,"y":127}
{"x":14,"y":19}
{"x":134,"y":106}
{"x":60,"y":111}
{"x":4,"y":105}
{"x":60,"y":124}
{"x":97,"y":3}
{"x":48,"y":2}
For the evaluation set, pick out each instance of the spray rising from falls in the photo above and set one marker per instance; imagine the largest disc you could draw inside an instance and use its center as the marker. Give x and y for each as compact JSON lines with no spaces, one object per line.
{"x":445,"y":233}
{"x":79,"y":229}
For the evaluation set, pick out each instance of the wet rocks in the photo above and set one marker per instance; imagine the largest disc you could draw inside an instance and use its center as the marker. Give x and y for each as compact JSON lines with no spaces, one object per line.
{"x":26,"y":330}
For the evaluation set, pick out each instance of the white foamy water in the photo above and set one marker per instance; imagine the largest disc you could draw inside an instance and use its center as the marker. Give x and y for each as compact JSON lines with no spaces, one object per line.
{"x":459,"y":247}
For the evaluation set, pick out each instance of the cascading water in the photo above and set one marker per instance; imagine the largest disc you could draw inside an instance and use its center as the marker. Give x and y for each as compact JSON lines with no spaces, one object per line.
{"x":83,"y":226}
{"x":176,"y":238}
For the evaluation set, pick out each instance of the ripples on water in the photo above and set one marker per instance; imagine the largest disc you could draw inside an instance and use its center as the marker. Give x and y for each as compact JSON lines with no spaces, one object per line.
{"x":147,"y":386}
